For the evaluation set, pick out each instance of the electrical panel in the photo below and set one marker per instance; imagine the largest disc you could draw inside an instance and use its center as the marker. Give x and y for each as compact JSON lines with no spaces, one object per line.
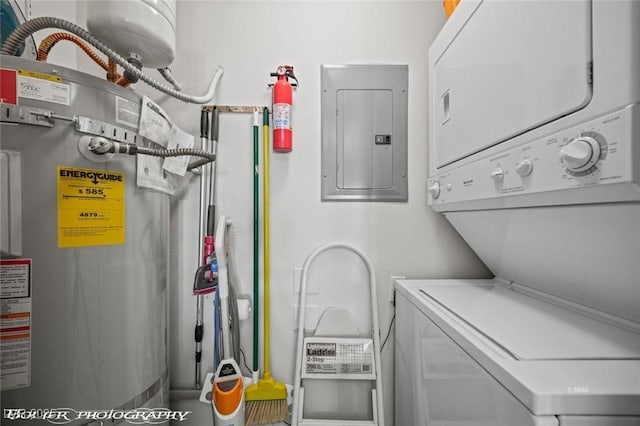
{"x":364,"y":132}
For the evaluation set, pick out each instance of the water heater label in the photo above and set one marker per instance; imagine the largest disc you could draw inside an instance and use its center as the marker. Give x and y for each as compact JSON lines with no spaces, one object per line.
{"x":155,"y":123}
{"x":15,"y":323}
{"x":127,"y":112}
{"x":91,"y":207}
{"x":43,"y":87}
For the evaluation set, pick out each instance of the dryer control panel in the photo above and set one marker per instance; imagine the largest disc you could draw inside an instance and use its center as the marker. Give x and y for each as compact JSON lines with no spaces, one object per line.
{"x":595,"y":154}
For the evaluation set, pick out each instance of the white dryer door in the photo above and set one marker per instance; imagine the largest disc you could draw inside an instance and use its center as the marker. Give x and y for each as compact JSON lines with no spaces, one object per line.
{"x":509,"y":67}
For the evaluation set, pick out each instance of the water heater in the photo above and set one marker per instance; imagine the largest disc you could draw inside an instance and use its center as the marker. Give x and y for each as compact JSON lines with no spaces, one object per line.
{"x":83,"y":253}
{"x":143,"y":28}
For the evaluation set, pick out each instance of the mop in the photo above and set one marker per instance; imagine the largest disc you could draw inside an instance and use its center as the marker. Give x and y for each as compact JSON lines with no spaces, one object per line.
{"x":267,"y":399}
{"x":227,"y":396}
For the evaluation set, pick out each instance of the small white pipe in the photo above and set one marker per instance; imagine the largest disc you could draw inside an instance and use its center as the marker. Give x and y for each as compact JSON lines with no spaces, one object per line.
{"x":27,"y":28}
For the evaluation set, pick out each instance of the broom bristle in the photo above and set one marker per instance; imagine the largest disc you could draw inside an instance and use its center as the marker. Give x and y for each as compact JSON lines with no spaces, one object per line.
{"x":265,"y":412}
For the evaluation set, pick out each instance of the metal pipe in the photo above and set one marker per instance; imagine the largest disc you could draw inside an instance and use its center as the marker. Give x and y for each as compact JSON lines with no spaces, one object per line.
{"x":204,"y":178}
{"x":16,"y":38}
{"x":215,"y":126}
{"x":100,"y":145}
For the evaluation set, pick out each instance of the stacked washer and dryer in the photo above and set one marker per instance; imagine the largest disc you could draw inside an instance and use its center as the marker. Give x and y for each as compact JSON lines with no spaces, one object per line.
{"x":534,"y":158}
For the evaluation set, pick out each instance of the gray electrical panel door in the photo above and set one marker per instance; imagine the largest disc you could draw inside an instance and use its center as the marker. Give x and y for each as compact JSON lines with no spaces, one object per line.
{"x":364,"y":132}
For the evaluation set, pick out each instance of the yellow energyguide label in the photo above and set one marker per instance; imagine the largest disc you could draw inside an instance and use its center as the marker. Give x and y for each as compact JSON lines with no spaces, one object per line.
{"x":39,"y":75}
{"x":91,"y":207}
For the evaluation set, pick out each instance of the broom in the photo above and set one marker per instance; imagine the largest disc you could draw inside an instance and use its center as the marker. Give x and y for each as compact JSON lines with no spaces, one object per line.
{"x":266,"y":400}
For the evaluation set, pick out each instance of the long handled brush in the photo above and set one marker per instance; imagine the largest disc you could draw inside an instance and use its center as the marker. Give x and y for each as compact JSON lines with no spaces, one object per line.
{"x":266,"y":400}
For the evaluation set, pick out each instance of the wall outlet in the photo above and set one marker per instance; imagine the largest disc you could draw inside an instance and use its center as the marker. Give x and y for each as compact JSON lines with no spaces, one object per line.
{"x":392,"y":288}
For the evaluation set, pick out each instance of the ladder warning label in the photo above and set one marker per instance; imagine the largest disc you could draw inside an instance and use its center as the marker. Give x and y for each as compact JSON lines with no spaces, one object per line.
{"x":338,"y":356}
{"x":91,"y":207}
{"x":15,"y":323}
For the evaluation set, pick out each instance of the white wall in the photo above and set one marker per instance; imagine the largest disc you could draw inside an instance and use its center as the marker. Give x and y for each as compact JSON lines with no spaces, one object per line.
{"x":249,"y":42}
{"x":64,"y":53}
{"x":250,"y":39}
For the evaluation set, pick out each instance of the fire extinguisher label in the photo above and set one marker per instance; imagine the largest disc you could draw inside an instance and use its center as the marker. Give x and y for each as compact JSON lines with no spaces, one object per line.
{"x":281,"y":116}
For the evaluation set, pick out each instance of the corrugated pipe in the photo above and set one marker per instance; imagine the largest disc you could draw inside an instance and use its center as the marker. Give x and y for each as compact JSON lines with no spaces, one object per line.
{"x":176,"y":152}
{"x":112,"y":71}
{"x":51,"y":40}
{"x":47,"y":44}
{"x":100,"y":145}
{"x":14,"y":40}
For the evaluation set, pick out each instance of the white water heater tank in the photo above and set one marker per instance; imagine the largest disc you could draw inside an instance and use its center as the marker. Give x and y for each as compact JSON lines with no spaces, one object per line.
{"x":146,"y":28}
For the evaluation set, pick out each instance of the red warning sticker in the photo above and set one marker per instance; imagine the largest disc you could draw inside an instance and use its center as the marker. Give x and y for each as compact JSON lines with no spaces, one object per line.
{"x":8,"y":87}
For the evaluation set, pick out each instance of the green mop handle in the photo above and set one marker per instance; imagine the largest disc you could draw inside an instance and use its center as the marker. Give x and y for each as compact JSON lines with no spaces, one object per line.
{"x":256,"y":247}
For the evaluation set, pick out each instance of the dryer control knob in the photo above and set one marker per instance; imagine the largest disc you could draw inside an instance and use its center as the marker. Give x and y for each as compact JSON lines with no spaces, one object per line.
{"x":580,"y":154}
{"x":434,"y":189}
{"x":497,"y":175}
{"x":524,"y":168}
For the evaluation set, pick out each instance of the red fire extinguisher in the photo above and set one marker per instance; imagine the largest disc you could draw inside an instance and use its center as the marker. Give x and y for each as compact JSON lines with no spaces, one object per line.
{"x":281,"y":108}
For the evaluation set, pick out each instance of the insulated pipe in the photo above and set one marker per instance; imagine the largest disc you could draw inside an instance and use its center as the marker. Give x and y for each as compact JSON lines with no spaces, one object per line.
{"x":14,"y":40}
{"x":51,"y":40}
{"x":112,"y":71}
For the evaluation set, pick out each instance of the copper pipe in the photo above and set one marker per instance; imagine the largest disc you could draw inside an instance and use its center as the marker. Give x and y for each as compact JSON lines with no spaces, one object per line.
{"x":122,"y":81}
{"x":112,"y":72}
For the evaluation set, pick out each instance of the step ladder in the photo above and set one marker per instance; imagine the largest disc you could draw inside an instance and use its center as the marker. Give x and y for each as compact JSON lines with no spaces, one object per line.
{"x":321,"y":357}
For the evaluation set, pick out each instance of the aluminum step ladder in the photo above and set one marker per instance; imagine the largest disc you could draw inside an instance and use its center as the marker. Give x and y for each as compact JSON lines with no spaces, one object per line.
{"x":336,"y":357}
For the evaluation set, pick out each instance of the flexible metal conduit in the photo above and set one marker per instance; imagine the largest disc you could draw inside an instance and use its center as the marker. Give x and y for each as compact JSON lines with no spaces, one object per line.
{"x":102,"y":145}
{"x":47,"y":44}
{"x":177,"y":152}
{"x":14,"y":40}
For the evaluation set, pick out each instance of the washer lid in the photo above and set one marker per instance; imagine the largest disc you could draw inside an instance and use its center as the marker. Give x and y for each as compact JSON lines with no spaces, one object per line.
{"x":530,"y":329}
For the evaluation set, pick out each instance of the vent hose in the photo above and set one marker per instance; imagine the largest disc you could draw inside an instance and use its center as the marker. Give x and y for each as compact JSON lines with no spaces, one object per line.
{"x":15,"y":39}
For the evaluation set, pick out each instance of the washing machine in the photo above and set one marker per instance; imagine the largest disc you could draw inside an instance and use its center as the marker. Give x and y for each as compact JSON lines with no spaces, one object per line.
{"x":534,"y":158}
